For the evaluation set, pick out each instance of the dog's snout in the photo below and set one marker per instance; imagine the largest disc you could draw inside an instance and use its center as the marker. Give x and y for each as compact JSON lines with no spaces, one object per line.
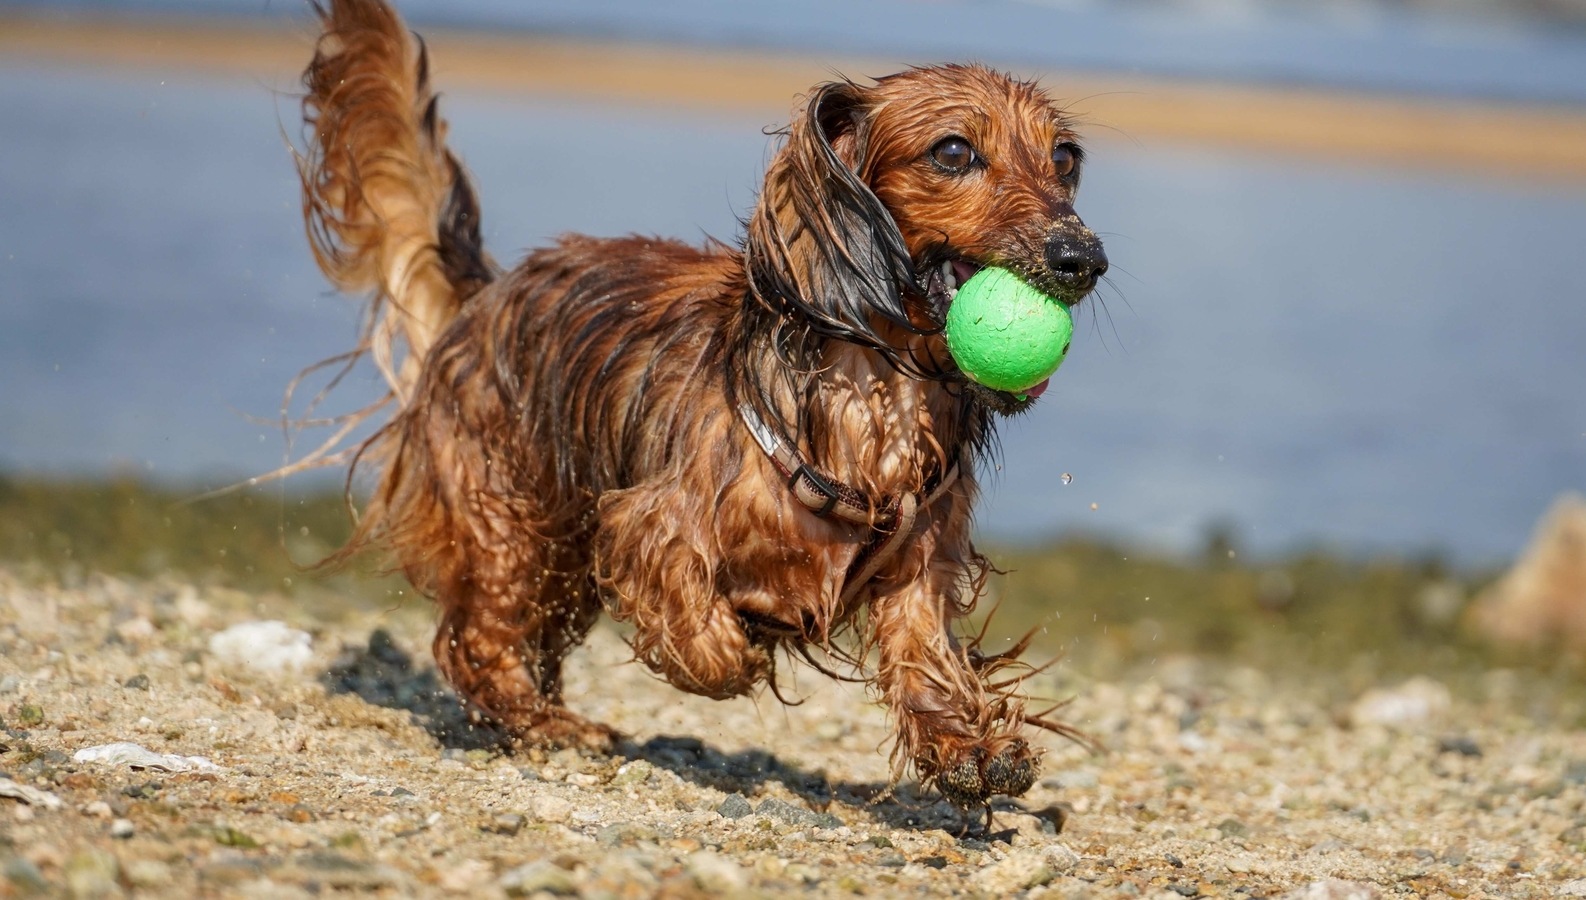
{"x":1076,"y":258}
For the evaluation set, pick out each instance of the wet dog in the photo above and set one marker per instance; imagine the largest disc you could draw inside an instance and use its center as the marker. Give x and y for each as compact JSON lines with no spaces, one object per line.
{"x":741,"y":450}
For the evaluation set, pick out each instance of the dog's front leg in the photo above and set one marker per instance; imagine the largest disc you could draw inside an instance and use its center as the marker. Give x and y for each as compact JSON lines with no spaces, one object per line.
{"x":961,"y":734}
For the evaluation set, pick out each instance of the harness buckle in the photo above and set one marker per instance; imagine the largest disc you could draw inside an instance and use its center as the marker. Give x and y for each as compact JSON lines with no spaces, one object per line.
{"x":822,"y":486}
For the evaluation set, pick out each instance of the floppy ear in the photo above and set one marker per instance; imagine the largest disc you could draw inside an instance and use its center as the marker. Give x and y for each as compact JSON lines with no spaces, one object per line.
{"x":823,"y":254}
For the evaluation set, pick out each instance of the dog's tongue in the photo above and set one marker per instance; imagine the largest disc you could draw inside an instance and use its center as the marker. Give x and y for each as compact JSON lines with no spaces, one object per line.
{"x":1038,"y":390}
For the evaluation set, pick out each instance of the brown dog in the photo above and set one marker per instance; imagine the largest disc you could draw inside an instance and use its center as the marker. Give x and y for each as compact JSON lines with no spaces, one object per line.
{"x":735,"y":449}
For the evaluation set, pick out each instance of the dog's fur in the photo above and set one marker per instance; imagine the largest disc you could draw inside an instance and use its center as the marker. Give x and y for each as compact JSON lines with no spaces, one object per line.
{"x":567,"y":435}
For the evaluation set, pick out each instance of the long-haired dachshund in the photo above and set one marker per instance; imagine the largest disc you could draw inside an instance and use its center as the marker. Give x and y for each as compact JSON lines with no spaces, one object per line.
{"x":735,"y":449}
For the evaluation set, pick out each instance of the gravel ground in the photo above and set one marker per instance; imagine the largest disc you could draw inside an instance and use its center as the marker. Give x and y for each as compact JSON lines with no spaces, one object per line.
{"x":336,"y":767}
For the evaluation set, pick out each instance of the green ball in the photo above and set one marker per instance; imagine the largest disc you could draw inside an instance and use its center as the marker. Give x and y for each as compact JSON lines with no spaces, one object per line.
{"x":1005,"y":334}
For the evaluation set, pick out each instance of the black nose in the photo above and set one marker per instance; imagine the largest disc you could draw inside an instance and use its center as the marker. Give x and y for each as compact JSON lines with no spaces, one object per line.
{"x":1076,"y":258}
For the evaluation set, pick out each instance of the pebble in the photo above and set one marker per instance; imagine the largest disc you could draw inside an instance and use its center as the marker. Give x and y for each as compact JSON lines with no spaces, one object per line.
{"x":1462,"y":744}
{"x":507,"y":823}
{"x":1061,"y":858}
{"x":785,"y":812}
{"x":92,"y":873}
{"x":121,"y":829}
{"x":715,"y":874}
{"x":1415,"y":702}
{"x":138,"y":682}
{"x":550,"y":808}
{"x":1334,"y":889}
{"x":341,"y":872}
{"x":1022,"y":870}
{"x":540,"y":875}
{"x":24,"y":876}
{"x":635,"y":772}
{"x":736,"y":806}
{"x":626,"y":833}
{"x":266,"y":648}
{"x":464,"y":877}
{"x":149,"y":874}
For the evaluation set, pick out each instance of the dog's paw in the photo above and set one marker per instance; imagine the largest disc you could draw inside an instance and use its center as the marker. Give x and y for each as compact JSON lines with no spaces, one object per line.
{"x":564,"y":730}
{"x":980,"y":773}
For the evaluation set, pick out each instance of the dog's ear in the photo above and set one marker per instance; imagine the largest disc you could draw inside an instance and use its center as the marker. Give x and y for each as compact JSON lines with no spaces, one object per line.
{"x":823,"y":254}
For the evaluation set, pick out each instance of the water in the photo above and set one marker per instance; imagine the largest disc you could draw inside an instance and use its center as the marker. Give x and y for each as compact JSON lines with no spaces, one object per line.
{"x":1373,"y":358}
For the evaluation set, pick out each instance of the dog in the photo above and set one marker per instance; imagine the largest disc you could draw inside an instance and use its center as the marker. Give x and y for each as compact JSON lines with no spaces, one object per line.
{"x":739,"y":450}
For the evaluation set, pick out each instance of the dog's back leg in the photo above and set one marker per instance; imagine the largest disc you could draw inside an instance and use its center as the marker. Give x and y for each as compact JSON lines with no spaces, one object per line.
{"x":510,"y":614}
{"x":502,"y":650}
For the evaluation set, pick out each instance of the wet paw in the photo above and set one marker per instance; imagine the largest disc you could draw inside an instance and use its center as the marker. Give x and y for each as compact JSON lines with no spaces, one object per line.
{"x":564,"y":730}
{"x":980,"y":774}
{"x":1012,"y":771}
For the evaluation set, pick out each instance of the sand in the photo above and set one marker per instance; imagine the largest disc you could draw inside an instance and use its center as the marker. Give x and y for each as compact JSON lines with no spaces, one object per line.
{"x":1487,"y":140}
{"x":344,"y":768}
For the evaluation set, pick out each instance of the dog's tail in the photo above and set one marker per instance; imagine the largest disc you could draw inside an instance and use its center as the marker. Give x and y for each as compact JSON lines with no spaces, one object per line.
{"x":389,"y":210}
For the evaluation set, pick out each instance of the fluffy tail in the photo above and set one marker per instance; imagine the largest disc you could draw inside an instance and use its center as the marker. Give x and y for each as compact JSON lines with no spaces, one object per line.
{"x":389,"y":210}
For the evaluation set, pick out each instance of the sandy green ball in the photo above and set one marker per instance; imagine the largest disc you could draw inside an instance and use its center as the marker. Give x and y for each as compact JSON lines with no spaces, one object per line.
{"x":1004,"y":333}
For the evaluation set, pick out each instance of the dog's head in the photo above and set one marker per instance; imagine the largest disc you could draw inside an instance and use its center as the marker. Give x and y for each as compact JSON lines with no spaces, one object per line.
{"x":887,"y":197}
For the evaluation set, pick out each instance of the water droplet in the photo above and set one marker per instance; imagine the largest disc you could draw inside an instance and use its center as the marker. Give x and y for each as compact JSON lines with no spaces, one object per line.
{"x":1067,"y":478}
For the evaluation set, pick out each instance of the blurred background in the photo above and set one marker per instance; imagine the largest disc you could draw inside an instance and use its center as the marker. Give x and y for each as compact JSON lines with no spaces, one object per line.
{"x":1336,"y":379}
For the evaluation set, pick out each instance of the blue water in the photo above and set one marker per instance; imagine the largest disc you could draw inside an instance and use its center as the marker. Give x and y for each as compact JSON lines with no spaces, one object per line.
{"x":1373,"y":358}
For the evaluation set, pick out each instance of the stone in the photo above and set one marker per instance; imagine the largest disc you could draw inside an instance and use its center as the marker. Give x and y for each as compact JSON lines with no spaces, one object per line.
{"x":92,"y":873}
{"x":149,"y":874}
{"x":1020,"y":871}
{"x":736,"y":806}
{"x":121,"y":829}
{"x":1417,"y":701}
{"x":787,"y":813}
{"x":1334,"y":889}
{"x":464,"y":877}
{"x":341,"y":872}
{"x":265,"y":648}
{"x":540,"y":875}
{"x":635,"y":772}
{"x":24,"y":876}
{"x":507,"y":823}
{"x":550,"y":808}
{"x":1464,"y":745}
{"x":715,"y":874}
{"x":1541,"y":601}
{"x":1061,"y":858}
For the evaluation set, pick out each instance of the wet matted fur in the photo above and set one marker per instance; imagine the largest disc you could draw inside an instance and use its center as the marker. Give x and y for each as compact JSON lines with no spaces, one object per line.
{"x":567,"y":434}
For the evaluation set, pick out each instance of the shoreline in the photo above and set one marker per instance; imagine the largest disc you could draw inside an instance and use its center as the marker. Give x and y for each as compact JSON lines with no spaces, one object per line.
{"x":1536,"y":143}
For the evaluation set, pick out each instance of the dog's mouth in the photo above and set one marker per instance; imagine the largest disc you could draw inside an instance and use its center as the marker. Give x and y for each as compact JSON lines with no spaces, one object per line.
{"x":942,"y":279}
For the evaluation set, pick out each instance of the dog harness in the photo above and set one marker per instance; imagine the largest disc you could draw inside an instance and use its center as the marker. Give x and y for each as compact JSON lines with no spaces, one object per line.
{"x":891,"y":521}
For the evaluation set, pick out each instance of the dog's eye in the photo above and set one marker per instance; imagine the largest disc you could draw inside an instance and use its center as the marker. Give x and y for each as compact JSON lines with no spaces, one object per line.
{"x":953,"y":154}
{"x":1066,"y":158}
